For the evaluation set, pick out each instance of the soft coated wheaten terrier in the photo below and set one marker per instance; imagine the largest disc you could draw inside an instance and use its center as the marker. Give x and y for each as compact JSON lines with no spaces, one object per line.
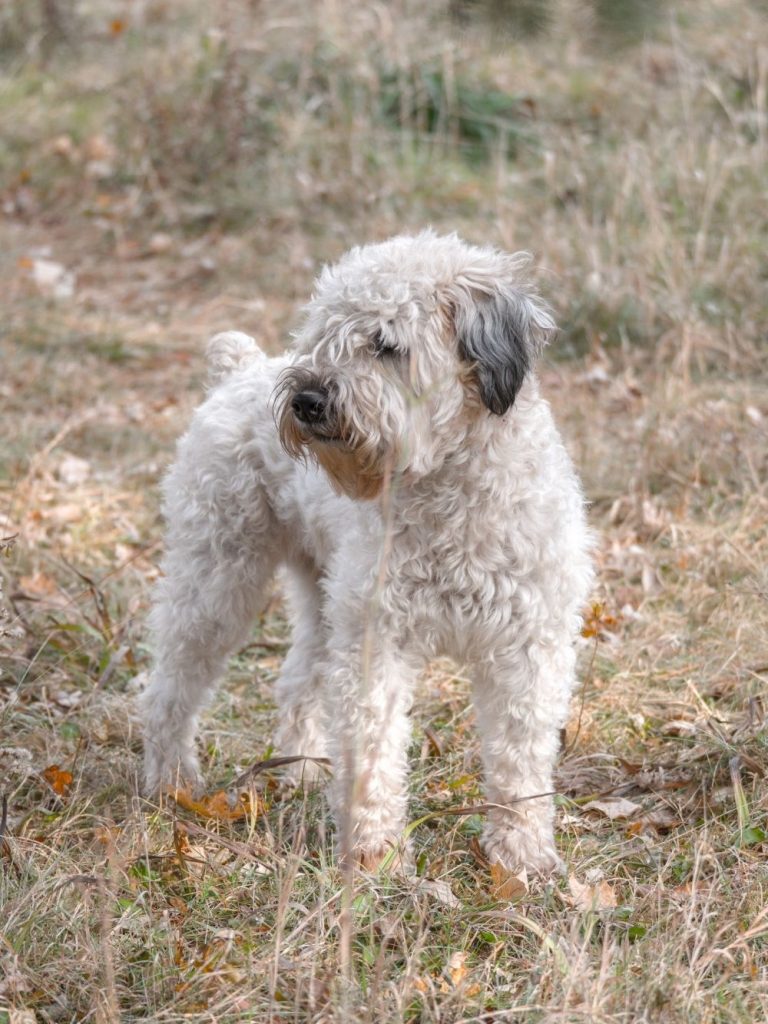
{"x":402,"y":466}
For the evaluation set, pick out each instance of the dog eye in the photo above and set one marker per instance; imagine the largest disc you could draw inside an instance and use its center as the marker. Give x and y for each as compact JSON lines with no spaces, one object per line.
{"x":383,"y":347}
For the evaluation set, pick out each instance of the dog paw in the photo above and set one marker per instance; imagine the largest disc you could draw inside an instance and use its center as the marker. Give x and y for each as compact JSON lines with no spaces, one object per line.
{"x":516,"y":848}
{"x":389,"y":858}
{"x":392,"y":856}
{"x":305,"y":774}
{"x":170,"y":770}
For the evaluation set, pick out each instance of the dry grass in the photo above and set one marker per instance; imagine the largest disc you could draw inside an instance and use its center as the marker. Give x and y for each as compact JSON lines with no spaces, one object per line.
{"x":193,"y":175}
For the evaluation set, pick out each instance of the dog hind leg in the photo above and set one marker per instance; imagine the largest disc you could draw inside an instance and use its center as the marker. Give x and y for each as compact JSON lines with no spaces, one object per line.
{"x":214,"y":585}
{"x":301,"y":728}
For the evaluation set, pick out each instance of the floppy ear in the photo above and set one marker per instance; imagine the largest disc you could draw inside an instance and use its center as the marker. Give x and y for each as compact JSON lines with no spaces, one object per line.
{"x":502,"y":333}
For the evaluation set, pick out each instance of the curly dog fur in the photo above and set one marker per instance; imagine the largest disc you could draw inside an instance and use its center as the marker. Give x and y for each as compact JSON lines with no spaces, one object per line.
{"x":402,"y":467}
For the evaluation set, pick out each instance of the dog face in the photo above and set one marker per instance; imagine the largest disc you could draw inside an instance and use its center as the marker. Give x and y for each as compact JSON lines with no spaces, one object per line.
{"x":406,"y":344}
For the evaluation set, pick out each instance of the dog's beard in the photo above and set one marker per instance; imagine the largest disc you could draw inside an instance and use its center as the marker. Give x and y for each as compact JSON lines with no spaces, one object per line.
{"x":354,"y":468}
{"x":349,"y":471}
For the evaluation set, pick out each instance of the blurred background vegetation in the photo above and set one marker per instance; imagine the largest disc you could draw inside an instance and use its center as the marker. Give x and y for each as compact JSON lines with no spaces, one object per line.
{"x":622,"y":141}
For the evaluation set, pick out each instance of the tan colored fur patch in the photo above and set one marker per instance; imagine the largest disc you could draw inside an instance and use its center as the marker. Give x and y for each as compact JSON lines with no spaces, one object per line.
{"x":349,"y":472}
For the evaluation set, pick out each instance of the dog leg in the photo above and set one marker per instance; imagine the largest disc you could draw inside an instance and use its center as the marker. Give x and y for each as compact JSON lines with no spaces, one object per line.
{"x":368,"y":698}
{"x":299,"y":689}
{"x":204,"y":608}
{"x":521,"y":699}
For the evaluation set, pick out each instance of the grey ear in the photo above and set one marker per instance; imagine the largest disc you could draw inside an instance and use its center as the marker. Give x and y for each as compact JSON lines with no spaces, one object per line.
{"x":502,"y":334}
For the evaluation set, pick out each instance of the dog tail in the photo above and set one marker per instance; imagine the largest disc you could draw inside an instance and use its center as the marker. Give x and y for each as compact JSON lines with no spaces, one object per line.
{"x":227,"y":352}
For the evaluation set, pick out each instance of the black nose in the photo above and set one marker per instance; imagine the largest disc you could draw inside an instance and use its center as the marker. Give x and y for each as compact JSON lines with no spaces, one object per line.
{"x":309,"y":406}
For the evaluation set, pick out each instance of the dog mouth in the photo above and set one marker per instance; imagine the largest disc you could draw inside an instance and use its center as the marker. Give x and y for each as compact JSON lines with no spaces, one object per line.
{"x":317,"y":433}
{"x":322,"y":441}
{"x":332,"y":442}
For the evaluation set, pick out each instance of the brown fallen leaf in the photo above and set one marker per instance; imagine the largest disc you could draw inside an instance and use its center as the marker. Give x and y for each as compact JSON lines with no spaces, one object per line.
{"x":505,"y":885}
{"x":663,"y":819}
{"x":440,"y":890}
{"x":216,"y":805}
{"x":591,"y":897}
{"x":58,"y":778}
{"x":457,"y":967}
{"x":614,"y":807}
{"x":253,"y":850}
{"x":457,"y":973}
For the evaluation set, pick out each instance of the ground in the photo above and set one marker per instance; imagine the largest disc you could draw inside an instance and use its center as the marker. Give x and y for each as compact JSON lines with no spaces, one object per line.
{"x":169,"y":170}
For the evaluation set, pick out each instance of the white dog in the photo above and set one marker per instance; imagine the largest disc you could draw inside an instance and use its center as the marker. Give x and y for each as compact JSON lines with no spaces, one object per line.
{"x":419,"y":496}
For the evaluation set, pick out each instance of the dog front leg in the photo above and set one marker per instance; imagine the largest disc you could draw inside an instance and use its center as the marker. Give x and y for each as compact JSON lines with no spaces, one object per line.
{"x":521,"y":699}
{"x":368,"y":697}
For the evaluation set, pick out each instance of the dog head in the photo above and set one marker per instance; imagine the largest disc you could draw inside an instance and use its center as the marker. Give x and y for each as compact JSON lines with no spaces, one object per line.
{"x":405,"y":346}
